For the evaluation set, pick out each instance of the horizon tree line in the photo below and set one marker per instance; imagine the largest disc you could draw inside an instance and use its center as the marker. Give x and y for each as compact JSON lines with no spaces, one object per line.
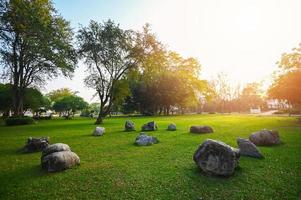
{"x":130,"y":71}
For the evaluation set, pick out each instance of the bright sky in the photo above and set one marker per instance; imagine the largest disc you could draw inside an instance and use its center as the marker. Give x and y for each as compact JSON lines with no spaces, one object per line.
{"x":242,"y":38}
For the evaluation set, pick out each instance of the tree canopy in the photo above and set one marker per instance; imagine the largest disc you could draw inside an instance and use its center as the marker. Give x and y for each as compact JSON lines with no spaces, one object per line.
{"x":35,"y":45}
{"x":106,"y":50}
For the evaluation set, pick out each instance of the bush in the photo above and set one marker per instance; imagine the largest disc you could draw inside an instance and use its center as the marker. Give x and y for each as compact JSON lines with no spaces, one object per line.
{"x":11,"y":121}
{"x":42,"y":117}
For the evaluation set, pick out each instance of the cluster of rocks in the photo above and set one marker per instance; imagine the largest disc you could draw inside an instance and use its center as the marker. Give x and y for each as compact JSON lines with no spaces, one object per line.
{"x":217,"y":158}
{"x":58,"y":157}
{"x":212,"y":157}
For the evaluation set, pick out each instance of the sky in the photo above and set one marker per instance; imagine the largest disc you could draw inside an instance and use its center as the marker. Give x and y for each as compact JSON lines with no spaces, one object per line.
{"x":241,"y":38}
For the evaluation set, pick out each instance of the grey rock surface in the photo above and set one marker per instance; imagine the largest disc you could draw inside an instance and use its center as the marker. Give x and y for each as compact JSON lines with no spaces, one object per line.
{"x":36,"y":144}
{"x":99,"y":131}
{"x":247,"y":148}
{"x":201,"y":129}
{"x":172,"y":127}
{"x":150,"y":126}
{"x":216,"y":158}
{"x":145,"y":140}
{"x":58,"y":157}
{"x":265,"y":137}
{"x":129,"y":126}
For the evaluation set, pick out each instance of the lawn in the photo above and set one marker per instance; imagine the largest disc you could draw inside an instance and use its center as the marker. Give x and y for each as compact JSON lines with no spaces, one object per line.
{"x":113,"y":168}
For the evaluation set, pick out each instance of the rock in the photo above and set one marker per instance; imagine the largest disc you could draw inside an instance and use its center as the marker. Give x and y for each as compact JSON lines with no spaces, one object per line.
{"x":99,"y":131}
{"x":59,"y":161}
{"x":247,"y":148}
{"x":201,"y":129}
{"x":216,"y":158}
{"x":36,"y":144}
{"x":145,"y":140}
{"x":129,"y":126}
{"x":265,"y":137}
{"x":55,"y":148}
{"x":172,"y":127}
{"x":58,"y":157}
{"x":150,"y":126}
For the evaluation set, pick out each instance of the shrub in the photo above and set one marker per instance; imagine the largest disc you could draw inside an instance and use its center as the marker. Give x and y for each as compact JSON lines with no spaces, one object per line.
{"x":11,"y":121}
{"x":42,"y":117}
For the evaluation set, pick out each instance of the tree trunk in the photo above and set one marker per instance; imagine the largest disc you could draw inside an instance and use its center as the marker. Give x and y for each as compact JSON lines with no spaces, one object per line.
{"x":99,"y":119}
{"x":18,"y":97}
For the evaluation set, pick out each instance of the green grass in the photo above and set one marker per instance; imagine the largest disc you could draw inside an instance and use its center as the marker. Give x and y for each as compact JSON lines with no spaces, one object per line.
{"x":112,"y":167}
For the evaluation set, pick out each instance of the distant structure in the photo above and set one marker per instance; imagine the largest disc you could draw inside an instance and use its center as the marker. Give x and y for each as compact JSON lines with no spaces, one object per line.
{"x":255,"y":110}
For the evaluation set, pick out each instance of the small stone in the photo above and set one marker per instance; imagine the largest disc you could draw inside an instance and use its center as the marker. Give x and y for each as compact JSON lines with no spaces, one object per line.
{"x":265,"y":137}
{"x":150,"y":126}
{"x":172,"y":127}
{"x":36,"y":144}
{"x":129,"y":126}
{"x":99,"y":131}
{"x":201,"y":129}
{"x":216,"y":158}
{"x":145,"y":140}
{"x":247,"y":148}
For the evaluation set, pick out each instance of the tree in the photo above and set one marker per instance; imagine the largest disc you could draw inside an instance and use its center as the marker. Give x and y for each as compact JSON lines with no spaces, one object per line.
{"x":106,"y":49}
{"x":162,"y":78}
{"x":286,"y":85}
{"x":55,"y":95}
{"x":69,"y":105}
{"x":5,"y":98}
{"x":251,"y":97}
{"x":35,"y":45}
{"x":33,"y":99}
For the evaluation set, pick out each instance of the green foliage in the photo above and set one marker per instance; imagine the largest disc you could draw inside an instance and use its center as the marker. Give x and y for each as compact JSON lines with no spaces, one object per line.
{"x":33,"y":98}
{"x":35,"y":44}
{"x":162,"y":79}
{"x":55,"y":95}
{"x":112,"y":167}
{"x":106,"y":49}
{"x":13,"y":121}
{"x":69,"y":105}
{"x":5,"y":97}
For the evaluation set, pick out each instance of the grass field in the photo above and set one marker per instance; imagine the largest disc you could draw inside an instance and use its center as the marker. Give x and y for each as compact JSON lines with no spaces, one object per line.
{"x":113,"y":168}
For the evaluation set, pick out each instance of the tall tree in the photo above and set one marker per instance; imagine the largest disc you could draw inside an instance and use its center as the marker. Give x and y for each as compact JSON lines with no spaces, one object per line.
{"x":106,"y":49}
{"x":286,"y":85}
{"x":35,"y":45}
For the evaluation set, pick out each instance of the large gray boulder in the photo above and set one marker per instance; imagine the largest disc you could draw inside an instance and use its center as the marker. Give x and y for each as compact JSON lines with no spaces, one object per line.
{"x":216,"y":158}
{"x":99,"y":131}
{"x":172,"y":127}
{"x":36,"y":144}
{"x":145,"y":140}
{"x":265,"y":137}
{"x":55,"y":148}
{"x":247,"y":148}
{"x":129,"y":126}
{"x":58,"y":157}
{"x":201,"y":129}
{"x":150,"y":126}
